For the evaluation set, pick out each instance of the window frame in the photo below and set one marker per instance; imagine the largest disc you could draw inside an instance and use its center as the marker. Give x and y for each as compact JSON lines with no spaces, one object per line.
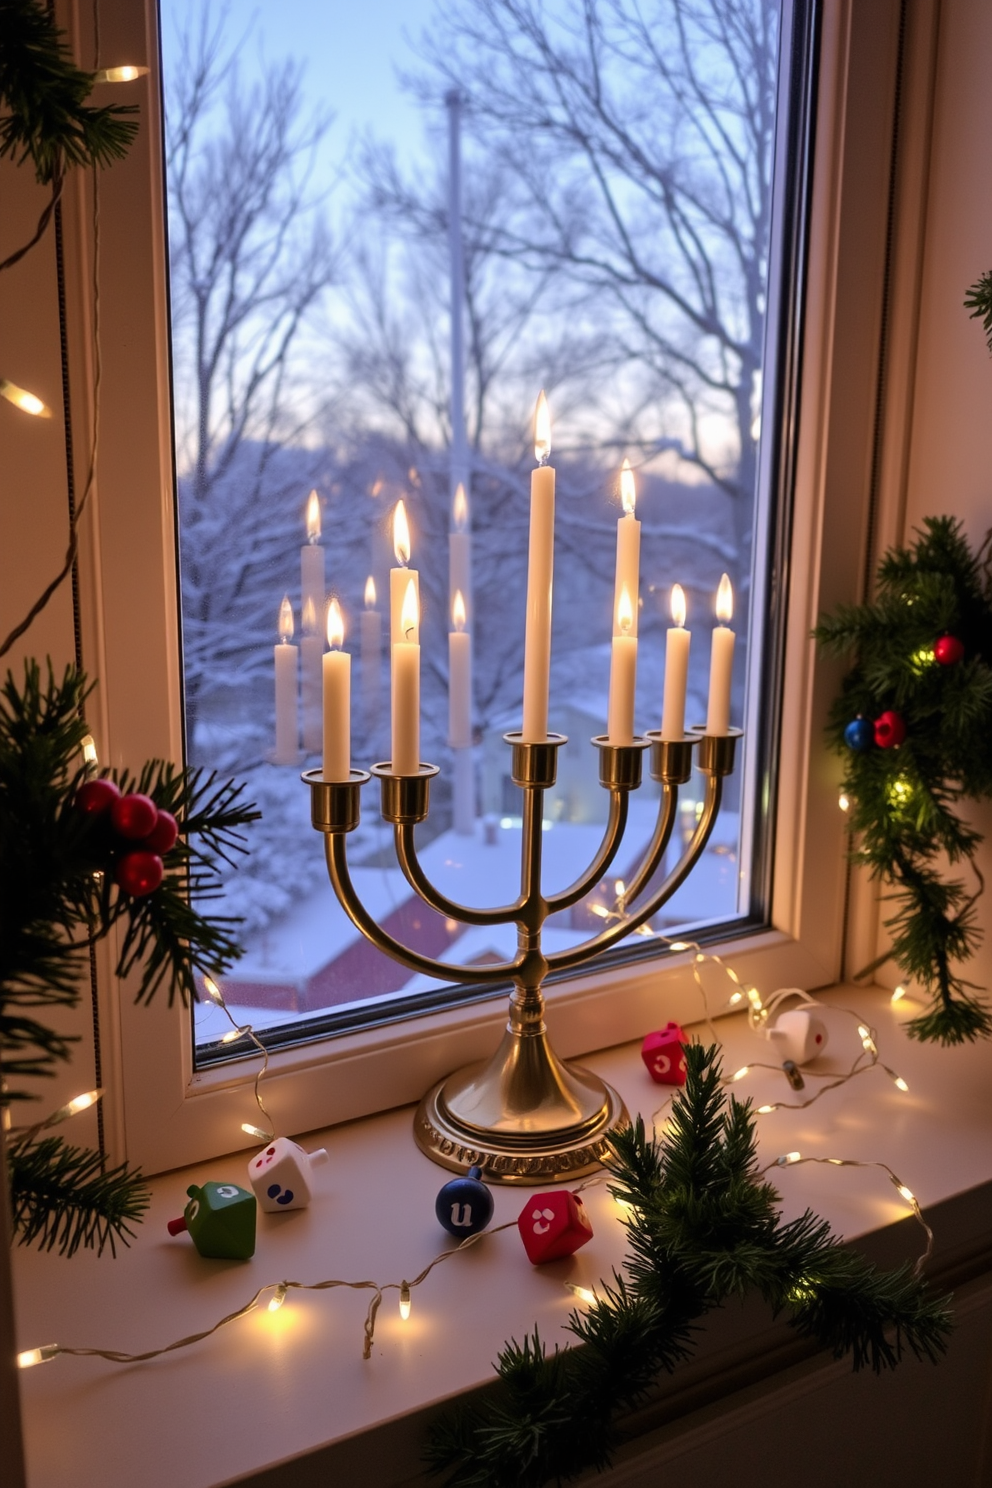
{"x":161,"y":1111}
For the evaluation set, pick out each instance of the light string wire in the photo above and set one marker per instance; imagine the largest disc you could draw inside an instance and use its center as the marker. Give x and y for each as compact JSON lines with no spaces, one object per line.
{"x":796,"y":1159}
{"x":758,"y":1013}
{"x":279,"y":1292}
{"x":245,"y":1030}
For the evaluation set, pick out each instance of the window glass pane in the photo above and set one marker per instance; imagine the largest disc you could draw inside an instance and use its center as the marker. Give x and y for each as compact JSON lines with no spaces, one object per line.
{"x":612,"y":247}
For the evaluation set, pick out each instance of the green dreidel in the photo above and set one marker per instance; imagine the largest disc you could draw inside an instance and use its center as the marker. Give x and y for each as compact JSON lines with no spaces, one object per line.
{"x":220,"y":1218}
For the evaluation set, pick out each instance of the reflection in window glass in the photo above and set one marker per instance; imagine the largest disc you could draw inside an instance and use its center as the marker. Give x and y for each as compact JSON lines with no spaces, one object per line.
{"x":611,"y":247}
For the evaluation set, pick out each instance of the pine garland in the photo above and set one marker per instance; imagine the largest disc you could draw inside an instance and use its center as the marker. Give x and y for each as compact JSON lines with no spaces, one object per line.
{"x":57,"y":899}
{"x":902,"y":800}
{"x":704,"y":1228}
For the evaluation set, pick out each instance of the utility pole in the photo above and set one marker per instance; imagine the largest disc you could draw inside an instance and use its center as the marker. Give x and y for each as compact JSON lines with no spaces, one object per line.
{"x":460,"y":615}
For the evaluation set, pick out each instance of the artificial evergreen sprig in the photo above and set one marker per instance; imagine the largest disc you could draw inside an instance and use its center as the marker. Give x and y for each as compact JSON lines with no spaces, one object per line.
{"x":978,"y":301}
{"x":64,"y":1197}
{"x":704,"y":1227}
{"x":903,"y":800}
{"x":57,"y":899}
{"x":45,"y":118}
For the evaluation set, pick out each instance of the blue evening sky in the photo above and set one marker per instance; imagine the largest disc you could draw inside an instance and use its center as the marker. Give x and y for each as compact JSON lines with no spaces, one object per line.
{"x":351,"y":48}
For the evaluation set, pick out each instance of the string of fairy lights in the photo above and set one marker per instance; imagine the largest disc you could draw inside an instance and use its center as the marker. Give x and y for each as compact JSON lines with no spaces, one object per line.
{"x":273,"y":1294}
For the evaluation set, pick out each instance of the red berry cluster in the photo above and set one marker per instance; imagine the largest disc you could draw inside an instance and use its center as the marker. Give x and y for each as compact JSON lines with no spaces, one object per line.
{"x":133,"y":818}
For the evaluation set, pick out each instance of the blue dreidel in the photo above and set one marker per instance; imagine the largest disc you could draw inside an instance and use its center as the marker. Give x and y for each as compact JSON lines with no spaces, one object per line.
{"x":464,"y":1206}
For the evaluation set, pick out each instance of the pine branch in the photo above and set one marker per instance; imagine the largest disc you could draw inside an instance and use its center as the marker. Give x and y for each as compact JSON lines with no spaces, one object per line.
{"x":904,"y":801}
{"x":704,"y":1227}
{"x":61,"y":1197}
{"x":42,"y":92}
{"x":978,"y":302}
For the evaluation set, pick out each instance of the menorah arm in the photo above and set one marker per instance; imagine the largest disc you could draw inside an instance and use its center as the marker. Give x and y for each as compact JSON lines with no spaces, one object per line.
{"x":656,"y":847}
{"x":337,"y":867}
{"x":576,"y":955}
{"x":610,"y":845}
{"x":406,"y":853}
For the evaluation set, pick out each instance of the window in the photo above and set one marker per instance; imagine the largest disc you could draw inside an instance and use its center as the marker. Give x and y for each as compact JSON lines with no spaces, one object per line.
{"x":164,"y":1111}
{"x":314,"y":264}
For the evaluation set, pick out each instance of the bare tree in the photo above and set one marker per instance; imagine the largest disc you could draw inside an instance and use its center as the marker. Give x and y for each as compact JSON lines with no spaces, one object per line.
{"x":251,"y":259}
{"x":639,"y":140}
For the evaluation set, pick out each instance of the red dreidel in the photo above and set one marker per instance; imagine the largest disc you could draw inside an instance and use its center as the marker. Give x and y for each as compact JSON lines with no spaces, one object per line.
{"x":553,"y":1225}
{"x":664,"y":1055}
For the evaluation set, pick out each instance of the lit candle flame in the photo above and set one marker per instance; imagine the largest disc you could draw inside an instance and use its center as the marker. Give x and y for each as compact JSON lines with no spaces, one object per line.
{"x":625,"y":612}
{"x":370,"y":593}
{"x":628,"y":491}
{"x":458,"y":611}
{"x":313,"y":517}
{"x":542,"y":431}
{"x":22,"y":399}
{"x":401,"y":535}
{"x":678,"y":605}
{"x":724,"y":601}
{"x":410,"y":615}
{"x":309,"y":617}
{"x":335,"y":626}
{"x":459,"y":509}
{"x":286,"y":626}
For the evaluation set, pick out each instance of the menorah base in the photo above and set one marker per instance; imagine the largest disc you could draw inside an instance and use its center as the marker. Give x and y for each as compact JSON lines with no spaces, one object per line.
{"x":520,"y":1157}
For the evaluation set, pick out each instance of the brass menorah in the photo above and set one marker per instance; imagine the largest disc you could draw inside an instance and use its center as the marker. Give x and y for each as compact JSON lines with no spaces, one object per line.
{"x":525,"y":1116}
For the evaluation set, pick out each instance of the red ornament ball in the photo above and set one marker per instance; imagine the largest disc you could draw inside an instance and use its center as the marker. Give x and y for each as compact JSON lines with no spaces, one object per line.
{"x":139,"y":873}
{"x":948,"y":650}
{"x":134,"y":816}
{"x":96,"y":796}
{"x":890,"y":730}
{"x":162,"y":837}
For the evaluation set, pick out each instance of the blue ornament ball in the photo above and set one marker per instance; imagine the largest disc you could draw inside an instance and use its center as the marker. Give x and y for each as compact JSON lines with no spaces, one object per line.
{"x":464,"y":1206}
{"x":859,"y":734}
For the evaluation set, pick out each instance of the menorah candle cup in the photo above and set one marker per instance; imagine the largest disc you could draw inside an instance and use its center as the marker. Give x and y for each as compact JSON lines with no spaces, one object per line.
{"x":335,"y":805}
{"x":716,"y":751}
{"x":671,"y":759}
{"x":534,"y":766}
{"x":405,"y":798}
{"x":620,"y":764}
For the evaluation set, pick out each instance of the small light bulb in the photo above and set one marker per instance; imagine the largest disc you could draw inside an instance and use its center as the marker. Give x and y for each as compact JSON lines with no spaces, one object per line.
{"x":126,"y":74}
{"x":788,"y":1158}
{"x":736,"y":997}
{"x":77,"y":1104}
{"x":30,"y":1357}
{"x":679,"y":945}
{"x":22,"y":399}
{"x":764,"y":1110}
{"x":899,"y":1082}
{"x":623,"y":1204}
{"x":406,"y":1301}
{"x":278,"y":1297}
{"x":584,"y":1294}
{"x":601,"y":910}
{"x":213,"y":991}
{"x":907,"y":1193}
{"x":844,"y":802}
{"x":898,"y":994}
{"x":256,"y":1131}
{"x":89,"y":750}
{"x":745,"y":1069}
{"x":837,"y":1162}
{"x":232,"y":1036}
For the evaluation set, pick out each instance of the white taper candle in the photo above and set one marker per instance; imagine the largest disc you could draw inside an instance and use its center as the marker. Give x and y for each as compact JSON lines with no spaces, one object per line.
{"x":406,"y":691}
{"x":337,"y":699}
{"x":676,"y":670}
{"x":286,"y":658}
{"x":540,"y":573}
{"x":721,"y":663}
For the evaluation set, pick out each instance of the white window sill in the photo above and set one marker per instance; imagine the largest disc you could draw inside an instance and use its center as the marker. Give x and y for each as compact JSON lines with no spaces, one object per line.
{"x":292,"y":1385}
